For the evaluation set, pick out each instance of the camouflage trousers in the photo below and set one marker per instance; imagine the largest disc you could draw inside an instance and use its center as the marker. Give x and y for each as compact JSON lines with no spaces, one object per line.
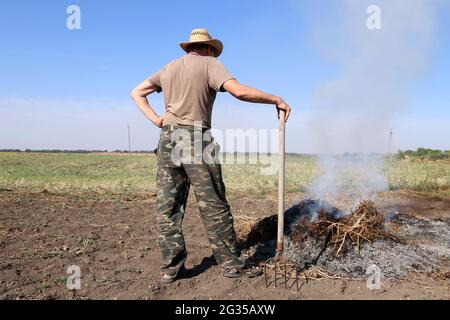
{"x":175,"y":175}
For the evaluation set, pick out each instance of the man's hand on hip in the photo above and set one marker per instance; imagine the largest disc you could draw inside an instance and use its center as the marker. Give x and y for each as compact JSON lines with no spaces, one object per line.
{"x":159,"y":122}
{"x":139,"y":95}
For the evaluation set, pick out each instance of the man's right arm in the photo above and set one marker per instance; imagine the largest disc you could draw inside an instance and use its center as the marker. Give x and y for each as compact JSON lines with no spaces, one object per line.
{"x":245,"y":93}
{"x":139,"y":95}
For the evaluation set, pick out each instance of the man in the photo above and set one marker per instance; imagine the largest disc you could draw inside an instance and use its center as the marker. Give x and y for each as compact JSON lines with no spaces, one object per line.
{"x":190,"y":84}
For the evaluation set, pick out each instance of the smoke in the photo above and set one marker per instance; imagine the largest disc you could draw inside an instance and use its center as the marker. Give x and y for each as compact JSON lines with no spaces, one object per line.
{"x":376,"y":73}
{"x":355,"y":175}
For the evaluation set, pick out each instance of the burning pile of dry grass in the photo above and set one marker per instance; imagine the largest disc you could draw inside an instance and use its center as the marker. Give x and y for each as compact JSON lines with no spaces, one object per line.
{"x":324,"y":242}
{"x":365,"y":223}
{"x":321,"y":222}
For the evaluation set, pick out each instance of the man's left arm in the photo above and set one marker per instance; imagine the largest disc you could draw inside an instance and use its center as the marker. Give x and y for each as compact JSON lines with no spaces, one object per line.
{"x":139,"y":95}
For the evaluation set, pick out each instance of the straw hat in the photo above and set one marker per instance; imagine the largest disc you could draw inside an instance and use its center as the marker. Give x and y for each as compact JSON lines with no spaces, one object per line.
{"x":202,"y":36}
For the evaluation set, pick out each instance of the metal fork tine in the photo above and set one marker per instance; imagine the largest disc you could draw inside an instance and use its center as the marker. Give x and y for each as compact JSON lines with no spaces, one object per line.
{"x":285,"y":275}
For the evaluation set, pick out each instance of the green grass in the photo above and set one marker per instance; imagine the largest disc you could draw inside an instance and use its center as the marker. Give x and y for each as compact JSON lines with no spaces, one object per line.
{"x":420,"y":175}
{"x":134,"y":174}
{"x":77,"y":173}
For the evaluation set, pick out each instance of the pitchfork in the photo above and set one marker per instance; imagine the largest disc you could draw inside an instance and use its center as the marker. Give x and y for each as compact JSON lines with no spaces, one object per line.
{"x":283,"y":269}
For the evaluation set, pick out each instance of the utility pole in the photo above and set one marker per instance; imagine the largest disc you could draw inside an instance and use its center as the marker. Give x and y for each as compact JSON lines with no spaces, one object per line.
{"x":129,"y":138}
{"x":390,"y":143}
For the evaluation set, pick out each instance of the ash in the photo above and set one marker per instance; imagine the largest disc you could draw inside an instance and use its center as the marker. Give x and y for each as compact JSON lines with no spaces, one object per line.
{"x":394,"y":259}
{"x":423,"y":245}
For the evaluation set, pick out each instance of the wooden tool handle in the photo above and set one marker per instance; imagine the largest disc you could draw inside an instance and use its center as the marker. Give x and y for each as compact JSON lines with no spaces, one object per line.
{"x":280,"y":231}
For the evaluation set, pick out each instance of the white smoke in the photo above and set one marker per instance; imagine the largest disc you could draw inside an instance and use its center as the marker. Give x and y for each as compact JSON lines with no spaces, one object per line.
{"x":377,"y":73}
{"x":356,"y":175}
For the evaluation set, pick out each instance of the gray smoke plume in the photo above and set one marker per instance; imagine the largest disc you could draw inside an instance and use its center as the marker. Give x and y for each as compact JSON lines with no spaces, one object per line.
{"x":377,"y":72}
{"x":355,"y":175}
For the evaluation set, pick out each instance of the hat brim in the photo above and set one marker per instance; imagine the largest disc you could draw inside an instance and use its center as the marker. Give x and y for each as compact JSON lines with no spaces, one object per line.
{"x":216,"y":44}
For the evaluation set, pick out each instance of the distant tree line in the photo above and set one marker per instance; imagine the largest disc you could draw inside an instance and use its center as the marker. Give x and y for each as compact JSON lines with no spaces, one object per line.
{"x":425,"y":154}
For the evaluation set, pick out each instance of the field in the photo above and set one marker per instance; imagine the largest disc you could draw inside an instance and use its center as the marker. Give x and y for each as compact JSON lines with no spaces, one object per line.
{"x":97,"y":211}
{"x":133,"y":175}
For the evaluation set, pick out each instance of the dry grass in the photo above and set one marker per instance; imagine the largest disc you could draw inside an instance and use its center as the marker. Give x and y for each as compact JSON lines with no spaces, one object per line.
{"x":364,"y":224}
{"x":316,"y":273}
{"x":243,"y":225}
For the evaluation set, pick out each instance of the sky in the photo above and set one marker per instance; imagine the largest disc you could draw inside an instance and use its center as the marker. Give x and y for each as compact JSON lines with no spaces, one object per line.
{"x":69,"y":89}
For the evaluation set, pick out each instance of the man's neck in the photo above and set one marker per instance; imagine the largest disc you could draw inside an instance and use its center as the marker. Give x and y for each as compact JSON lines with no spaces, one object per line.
{"x":196,"y":53}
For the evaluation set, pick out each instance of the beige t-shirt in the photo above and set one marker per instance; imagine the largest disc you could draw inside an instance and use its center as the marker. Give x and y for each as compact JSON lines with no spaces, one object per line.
{"x":190,"y":85}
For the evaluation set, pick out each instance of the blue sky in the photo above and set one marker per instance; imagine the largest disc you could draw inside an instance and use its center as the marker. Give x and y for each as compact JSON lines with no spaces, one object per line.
{"x":69,"y":89}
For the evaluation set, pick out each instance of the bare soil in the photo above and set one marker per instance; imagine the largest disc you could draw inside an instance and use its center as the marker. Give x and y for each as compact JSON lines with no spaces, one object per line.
{"x":114,"y":242}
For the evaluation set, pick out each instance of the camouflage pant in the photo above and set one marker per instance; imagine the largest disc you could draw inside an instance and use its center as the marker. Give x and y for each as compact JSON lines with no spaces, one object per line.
{"x":173,"y":183}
